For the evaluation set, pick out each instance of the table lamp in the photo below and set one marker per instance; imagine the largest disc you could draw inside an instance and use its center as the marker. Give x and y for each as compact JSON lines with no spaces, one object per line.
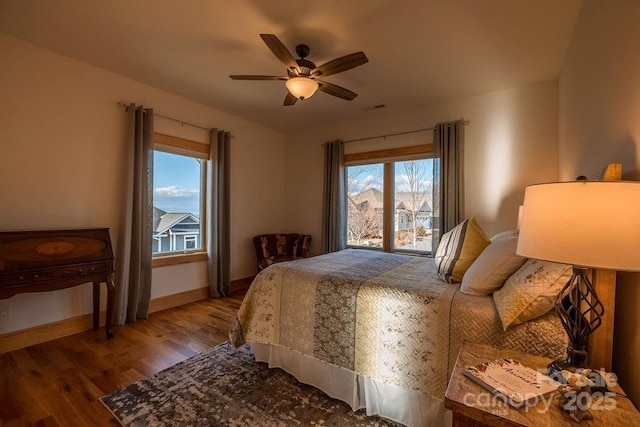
{"x":588,"y":224}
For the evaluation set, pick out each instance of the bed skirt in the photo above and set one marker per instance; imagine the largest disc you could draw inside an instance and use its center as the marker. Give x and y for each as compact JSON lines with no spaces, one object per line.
{"x":398,"y":404}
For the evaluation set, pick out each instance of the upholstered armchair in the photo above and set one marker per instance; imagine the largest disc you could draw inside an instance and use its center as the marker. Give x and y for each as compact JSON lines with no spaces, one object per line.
{"x":272,"y":248}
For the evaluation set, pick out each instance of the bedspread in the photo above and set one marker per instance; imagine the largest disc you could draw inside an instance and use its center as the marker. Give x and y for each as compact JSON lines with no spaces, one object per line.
{"x":385,"y":316}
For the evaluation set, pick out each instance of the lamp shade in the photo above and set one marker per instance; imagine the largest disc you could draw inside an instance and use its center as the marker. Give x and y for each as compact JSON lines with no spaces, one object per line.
{"x":583,"y":223}
{"x":301,"y":87}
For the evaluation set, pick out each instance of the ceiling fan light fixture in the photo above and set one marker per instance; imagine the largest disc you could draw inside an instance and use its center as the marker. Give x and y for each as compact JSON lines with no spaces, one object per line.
{"x":301,"y":82}
{"x":301,"y":87}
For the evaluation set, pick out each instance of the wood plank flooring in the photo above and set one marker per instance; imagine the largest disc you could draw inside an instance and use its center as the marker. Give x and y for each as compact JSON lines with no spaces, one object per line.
{"x":58,"y":383}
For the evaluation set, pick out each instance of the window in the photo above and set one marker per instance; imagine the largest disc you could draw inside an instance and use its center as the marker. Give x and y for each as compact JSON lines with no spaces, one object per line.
{"x":179,"y":181}
{"x":413,"y":205}
{"x":365,"y":206}
{"x":390,"y":202}
{"x":191,"y":242}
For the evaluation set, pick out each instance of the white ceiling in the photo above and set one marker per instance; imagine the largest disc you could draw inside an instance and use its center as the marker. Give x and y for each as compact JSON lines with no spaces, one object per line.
{"x":420,"y":51}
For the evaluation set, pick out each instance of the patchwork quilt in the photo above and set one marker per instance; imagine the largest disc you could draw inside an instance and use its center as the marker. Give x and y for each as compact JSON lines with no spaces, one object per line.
{"x":385,"y":316}
{"x":373,"y":313}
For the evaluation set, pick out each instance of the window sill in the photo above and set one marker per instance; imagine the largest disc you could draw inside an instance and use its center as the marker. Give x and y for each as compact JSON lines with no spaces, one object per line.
{"x":393,"y":251}
{"x":412,"y":252}
{"x":175,"y":259}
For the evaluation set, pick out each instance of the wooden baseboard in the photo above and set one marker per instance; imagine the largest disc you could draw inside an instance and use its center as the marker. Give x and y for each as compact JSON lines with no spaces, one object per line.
{"x":62,"y":328}
{"x":175,"y":300}
{"x":239,"y":284}
{"x":50,"y":331}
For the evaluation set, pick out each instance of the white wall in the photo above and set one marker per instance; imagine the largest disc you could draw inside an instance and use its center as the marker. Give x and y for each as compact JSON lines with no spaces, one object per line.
{"x":61,"y":156}
{"x":512,"y":141}
{"x":600,"y":124}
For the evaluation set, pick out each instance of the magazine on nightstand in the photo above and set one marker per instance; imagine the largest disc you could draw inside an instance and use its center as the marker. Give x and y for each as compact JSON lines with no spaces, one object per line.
{"x":519,"y":385}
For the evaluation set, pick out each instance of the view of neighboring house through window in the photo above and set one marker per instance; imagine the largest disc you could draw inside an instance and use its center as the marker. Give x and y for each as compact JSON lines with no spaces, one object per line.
{"x":177,"y":201}
{"x":407,"y":210}
{"x":413,"y":202}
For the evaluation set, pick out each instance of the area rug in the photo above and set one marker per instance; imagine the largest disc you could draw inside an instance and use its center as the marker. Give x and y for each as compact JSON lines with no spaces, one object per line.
{"x":224,"y":386}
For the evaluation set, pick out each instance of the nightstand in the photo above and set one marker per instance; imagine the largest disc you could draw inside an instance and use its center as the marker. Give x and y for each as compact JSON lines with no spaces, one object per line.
{"x":473,"y":406}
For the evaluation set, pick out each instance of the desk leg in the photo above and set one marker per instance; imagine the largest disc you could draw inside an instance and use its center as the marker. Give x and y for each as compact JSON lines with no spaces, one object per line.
{"x":111,"y":294}
{"x":96,"y":305}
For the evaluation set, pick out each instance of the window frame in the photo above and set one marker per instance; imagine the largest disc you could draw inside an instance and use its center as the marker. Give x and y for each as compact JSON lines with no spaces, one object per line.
{"x":185,"y":147}
{"x":388,"y":158}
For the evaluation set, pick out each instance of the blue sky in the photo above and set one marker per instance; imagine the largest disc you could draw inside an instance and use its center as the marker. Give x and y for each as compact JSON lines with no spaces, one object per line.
{"x":176,"y":183}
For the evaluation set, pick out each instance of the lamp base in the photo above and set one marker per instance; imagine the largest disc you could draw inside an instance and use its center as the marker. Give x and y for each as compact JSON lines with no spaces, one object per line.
{"x":557,"y":366}
{"x":580,"y":312}
{"x":576,"y":360}
{"x":576,"y":363}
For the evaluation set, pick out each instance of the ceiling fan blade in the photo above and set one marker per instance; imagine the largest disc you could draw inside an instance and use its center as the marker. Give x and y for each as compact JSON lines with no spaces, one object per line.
{"x":280,"y":50}
{"x":250,"y":77}
{"x":336,"y":90}
{"x":341,"y":64}
{"x":290,"y":99}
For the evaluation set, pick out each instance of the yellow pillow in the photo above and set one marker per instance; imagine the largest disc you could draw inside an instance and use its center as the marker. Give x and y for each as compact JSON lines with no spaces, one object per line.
{"x":530,"y":292}
{"x":458,"y":249}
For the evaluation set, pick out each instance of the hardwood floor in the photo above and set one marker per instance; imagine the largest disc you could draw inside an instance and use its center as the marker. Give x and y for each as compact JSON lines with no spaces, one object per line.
{"x":59,"y":382}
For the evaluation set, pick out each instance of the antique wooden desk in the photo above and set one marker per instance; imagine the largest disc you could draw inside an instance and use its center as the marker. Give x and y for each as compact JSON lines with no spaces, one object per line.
{"x":48,"y":260}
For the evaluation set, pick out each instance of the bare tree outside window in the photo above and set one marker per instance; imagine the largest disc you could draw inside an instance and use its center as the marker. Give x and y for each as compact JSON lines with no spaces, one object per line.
{"x":365,"y":205}
{"x":410,"y":211}
{"x":413,"y":204}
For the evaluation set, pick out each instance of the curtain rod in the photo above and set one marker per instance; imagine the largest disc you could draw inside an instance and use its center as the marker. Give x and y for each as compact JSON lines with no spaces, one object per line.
{"x":465,"y":122}
{"x":182,"y":122}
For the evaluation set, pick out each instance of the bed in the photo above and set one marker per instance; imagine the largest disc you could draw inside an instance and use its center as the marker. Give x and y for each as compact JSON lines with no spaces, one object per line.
{"x":379,"y":331}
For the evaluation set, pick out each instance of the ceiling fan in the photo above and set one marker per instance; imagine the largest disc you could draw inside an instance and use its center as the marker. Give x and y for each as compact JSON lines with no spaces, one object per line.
{"x":303,"y":77}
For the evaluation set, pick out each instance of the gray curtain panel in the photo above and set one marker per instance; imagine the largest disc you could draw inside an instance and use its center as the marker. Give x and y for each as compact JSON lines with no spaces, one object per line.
{"x":334,"y":222}
{"x":448,"y":195}
{"x":218,"y":196}
{"x":133,"y":258}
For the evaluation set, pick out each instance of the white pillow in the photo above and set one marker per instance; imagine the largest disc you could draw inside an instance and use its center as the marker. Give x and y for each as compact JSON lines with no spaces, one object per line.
{"x":493,"y":266}
{"x":505,"y":235}
{"x":530,"y":292}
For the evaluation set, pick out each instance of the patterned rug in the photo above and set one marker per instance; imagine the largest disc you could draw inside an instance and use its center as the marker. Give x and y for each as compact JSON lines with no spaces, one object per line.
{"x":224,"y":386}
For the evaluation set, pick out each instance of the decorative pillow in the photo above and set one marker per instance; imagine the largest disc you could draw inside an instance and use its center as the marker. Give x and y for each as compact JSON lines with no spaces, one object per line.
{"x":530,"y":292}
{"x":493,"y":266}
{"x":458,"y":249}
{"x":505,"y":234}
